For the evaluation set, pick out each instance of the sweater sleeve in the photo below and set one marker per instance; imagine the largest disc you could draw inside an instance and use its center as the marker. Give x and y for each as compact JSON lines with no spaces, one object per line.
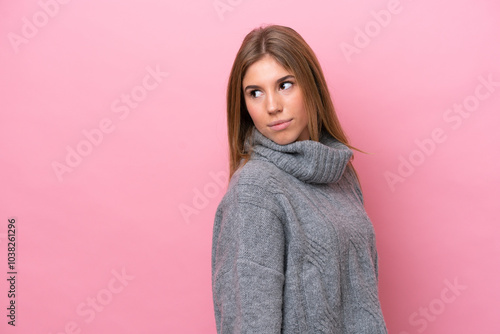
{"x":247,"y":268}
{"x":357,"y":188}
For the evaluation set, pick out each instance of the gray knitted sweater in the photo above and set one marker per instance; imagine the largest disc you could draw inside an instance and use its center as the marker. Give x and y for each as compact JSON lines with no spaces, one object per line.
{"x":293,"y":250}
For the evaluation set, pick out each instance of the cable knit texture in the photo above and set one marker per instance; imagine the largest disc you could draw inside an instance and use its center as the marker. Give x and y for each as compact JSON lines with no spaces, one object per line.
{"x":293,"y":250}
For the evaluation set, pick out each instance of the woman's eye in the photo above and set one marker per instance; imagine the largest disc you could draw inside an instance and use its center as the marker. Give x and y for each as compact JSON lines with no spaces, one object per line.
{"x":286,"y":85}
{"x":255,"y":93}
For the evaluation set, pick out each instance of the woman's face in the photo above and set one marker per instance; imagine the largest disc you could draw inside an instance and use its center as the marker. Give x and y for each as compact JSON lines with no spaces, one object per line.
{"x":272,"y":95}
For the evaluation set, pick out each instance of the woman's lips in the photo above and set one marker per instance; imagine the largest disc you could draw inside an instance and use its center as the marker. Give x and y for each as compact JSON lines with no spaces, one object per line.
{"x":280,"y":126}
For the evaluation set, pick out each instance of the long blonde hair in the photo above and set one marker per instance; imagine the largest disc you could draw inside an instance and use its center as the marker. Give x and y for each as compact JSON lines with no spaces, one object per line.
{"x":290,"y":50}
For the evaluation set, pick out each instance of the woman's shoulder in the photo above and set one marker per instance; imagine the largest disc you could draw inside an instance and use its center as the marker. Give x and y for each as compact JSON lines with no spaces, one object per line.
{"x":257,"y":172}
{"x":256,"y":182}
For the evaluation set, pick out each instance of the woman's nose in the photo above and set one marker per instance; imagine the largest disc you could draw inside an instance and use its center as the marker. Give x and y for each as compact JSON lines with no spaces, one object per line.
{"x":273,"y":103}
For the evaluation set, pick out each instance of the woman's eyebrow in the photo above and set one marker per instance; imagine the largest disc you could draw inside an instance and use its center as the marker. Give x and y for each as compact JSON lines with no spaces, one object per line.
{"x":280,"y":80}
{"x":286,"y":77}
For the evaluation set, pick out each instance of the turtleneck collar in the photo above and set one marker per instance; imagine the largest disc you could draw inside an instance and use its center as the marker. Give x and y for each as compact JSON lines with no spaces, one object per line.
{"x":308,"y":160}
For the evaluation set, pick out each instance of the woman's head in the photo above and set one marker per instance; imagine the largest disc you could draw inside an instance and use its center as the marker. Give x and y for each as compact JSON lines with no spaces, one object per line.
{"x":275,"y":101}
{"x":276,"y":76}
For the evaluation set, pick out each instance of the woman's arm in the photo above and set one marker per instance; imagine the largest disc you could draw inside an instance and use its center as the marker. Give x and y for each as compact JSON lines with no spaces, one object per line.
{"x":247,"y":268}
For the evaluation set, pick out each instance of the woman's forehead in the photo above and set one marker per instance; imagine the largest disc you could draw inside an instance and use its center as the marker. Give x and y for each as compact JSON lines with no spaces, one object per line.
{"x":266,"y":69}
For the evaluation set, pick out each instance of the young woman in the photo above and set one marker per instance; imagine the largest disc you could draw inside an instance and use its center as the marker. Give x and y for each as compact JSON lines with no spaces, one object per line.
{"x":293,"y":249}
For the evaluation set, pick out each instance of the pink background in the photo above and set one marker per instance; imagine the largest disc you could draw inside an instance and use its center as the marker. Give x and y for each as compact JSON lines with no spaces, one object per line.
{"x":139,"y":200}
